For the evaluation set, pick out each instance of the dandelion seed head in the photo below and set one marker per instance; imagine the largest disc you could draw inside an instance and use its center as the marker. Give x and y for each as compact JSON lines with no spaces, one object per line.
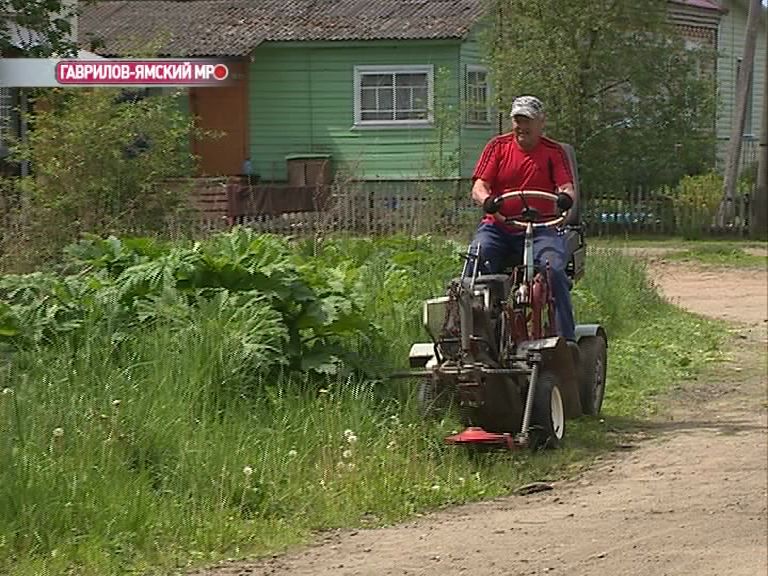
{"x":247,"y":470}
{"x":58,"y":432}
{"x":351,"y":439}
{"x":347,"y":454}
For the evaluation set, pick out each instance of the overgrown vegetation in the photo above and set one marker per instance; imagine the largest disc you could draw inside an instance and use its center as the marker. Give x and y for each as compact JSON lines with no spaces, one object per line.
{"x":102,"y":163}
{"x":167,"y":405}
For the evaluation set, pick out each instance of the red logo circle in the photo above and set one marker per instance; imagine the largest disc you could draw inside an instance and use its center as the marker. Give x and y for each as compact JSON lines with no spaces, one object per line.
{"x":220,"y":72}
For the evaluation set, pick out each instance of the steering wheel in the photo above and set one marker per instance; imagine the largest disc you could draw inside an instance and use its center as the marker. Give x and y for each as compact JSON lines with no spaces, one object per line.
{"x":523,"y":195}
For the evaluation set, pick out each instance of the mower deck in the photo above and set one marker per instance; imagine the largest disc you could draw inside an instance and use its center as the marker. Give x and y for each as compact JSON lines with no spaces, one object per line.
{"x":476,"y":435}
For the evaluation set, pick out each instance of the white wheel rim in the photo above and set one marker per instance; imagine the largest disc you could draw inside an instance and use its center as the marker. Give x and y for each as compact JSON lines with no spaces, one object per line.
{"x":557,"y":413}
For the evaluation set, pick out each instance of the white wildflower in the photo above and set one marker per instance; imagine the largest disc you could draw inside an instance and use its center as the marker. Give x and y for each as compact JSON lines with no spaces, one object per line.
{"x":292,"y":453}
{"x":461,"y":480}
{"x":347,"y":454}
{"x":348,"y":433}
{"x":351,"y":466}
{"x":247,"y":470}
{"x":351,"y":438}
{"x":7,"y":391}
{"x":58,"y":432}
{"x":116,"y":402}
{"x":435,"y":487}
{"x":391,"y":445}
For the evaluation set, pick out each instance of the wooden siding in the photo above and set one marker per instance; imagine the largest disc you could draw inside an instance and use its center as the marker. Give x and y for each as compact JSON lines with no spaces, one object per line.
{"x":302,"y":101}
{"x":730,"y":48}
{"x":473,"y":138}
{"x":222,"y":110}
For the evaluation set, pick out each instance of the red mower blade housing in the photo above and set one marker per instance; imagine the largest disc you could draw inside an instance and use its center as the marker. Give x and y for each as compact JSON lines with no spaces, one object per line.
{"x":476,"y":435}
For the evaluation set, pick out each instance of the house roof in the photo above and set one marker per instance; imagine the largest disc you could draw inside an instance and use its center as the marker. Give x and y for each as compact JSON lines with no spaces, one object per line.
{"x":236,"y":27}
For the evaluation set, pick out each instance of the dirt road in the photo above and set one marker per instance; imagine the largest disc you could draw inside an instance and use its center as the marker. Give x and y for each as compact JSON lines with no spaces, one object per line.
{"x":691,"y":500}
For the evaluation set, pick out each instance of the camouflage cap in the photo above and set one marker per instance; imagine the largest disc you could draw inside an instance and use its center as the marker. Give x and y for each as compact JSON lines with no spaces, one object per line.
{"x":529,"y":106}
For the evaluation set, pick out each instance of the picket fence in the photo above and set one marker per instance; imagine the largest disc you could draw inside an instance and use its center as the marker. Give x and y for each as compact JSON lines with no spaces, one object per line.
{"x":415,"y":208}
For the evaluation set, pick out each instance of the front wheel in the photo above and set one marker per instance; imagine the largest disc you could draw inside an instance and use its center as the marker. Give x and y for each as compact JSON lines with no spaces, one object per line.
{"x":548,"y":417}
{"x":592,"y":368}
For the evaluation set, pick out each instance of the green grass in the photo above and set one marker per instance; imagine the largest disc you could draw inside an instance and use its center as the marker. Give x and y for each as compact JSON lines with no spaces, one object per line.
{"x":674,"y":241}
{"x":720,"y":255}
{"x":153,"y":455}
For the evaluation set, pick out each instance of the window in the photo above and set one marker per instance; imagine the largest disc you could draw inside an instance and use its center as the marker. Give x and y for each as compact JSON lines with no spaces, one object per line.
{"x":477,"y":98}
{"x":748,"y":114}
{"x":393,"y":95}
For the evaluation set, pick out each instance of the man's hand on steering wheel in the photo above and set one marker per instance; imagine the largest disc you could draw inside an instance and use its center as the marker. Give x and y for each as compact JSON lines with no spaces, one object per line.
{"x":492,"y":204}
{"x":564,"y":202}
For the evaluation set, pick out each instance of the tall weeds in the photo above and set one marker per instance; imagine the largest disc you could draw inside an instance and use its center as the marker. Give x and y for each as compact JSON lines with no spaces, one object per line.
{"x":156,"y":413}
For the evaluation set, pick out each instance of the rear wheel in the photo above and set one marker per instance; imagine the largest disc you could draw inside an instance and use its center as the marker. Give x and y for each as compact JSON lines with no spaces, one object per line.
{"x":593,"y":363}
{"x":548,"y":417}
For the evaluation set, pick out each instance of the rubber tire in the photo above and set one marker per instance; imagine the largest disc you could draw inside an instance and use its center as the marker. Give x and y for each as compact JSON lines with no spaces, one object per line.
{"x":592,"y":372}
{"x":543,"y":432}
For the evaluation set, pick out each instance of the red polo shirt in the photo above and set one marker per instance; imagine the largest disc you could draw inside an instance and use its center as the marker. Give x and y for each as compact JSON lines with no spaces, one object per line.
{"x":507,"y":167}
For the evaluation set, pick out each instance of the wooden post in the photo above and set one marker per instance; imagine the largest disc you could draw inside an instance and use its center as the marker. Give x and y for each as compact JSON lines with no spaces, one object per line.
{"x":743,"y":82}
{"x":758,"y":221}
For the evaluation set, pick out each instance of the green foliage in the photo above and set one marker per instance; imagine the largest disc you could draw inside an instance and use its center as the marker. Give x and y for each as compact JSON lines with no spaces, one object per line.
{"x":696,"y":200}
{"x":48,"y":19}
{"x":617,"y":82}
{"x":100,"y":167}
{"x":155,"y":416}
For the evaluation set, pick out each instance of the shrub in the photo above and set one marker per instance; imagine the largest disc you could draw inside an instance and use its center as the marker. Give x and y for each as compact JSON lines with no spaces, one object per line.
{"x":696,"y":201}
{"x":99,"y":163}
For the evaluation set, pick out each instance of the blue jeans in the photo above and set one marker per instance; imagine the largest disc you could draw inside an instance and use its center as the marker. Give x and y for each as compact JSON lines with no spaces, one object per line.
{"x":499,"y":249}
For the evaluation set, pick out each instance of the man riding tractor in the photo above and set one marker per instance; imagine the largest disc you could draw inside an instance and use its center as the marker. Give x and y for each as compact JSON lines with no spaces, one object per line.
{"x":524,"y":159}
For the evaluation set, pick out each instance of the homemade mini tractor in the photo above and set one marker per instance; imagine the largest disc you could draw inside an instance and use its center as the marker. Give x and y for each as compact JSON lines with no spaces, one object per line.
{"x":495,"y":354}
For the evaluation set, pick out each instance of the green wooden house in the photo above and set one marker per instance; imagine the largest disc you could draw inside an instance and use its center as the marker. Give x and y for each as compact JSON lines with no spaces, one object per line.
{"x":387,"y":90}
{"x":730,"y":50}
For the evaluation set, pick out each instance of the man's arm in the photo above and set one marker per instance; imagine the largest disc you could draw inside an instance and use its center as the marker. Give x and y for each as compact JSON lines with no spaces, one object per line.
{"x":480,"y":191}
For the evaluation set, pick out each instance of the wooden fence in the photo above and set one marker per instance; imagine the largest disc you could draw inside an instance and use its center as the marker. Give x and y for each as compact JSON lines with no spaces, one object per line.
{"x":418,"y":208}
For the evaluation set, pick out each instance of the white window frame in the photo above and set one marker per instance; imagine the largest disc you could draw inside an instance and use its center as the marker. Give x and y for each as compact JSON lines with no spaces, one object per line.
{"x":488,"y":112}
{"x":427,"y":69}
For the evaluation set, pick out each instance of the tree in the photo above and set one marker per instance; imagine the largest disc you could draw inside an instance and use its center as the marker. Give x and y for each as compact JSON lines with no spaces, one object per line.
{"x":46,"y":20}
{"x":101,"y":164}
{"x":617,"y":82}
